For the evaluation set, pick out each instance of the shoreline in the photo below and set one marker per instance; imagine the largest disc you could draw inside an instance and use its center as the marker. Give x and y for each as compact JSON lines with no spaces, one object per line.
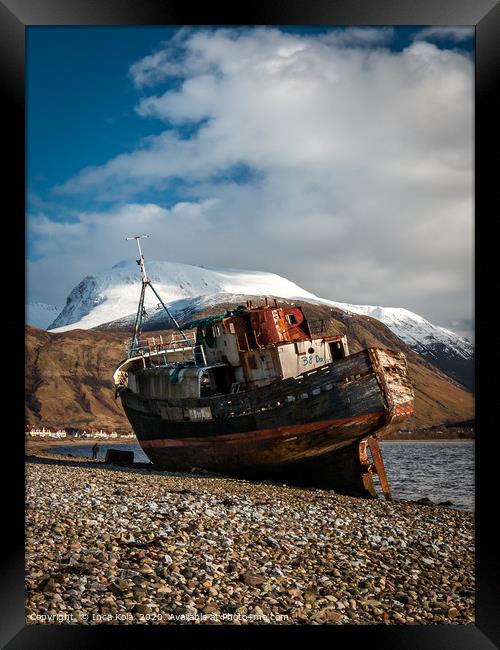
{"x":433,"y":440}
{"x":47,"y":444}
{"x":132,"y":546}
{"x":80,"y":441}
{"x":39,"y":444}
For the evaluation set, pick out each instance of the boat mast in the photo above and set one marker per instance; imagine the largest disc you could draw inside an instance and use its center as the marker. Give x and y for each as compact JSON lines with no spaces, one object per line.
{"x":146,"y":282}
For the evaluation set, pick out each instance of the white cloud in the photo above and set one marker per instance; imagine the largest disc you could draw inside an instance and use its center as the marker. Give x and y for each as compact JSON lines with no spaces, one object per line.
{"x":456,"y":34}
{"x":363,"y":156}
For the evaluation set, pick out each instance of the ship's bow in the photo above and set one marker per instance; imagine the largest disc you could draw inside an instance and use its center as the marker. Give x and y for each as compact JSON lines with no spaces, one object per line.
{"x":391,"y":370}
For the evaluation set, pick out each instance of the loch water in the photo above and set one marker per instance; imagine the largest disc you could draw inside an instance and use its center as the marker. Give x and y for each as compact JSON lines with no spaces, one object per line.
{"x":441,"y":471}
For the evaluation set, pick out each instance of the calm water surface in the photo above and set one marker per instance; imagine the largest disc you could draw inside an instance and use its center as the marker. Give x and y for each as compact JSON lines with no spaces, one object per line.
{"x":441,"y":471}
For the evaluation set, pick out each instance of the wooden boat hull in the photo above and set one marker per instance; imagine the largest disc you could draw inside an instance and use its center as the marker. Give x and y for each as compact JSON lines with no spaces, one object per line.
{"x":304,"y":431}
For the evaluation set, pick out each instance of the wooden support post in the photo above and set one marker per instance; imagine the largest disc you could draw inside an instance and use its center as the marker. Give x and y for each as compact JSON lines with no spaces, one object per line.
{"x":378,"y":462}
{"x":375,"y":466}
{"x":366,"y":468}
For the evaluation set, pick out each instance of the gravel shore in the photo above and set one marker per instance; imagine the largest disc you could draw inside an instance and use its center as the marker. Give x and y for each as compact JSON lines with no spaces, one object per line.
{"x":116,"y":546}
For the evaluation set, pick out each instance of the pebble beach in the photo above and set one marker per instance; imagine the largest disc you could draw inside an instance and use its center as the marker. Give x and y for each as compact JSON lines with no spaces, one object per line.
{"x":109,"y":545}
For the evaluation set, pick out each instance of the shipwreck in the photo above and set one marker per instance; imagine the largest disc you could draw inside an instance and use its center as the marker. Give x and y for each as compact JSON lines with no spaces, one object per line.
{"x":252,"y":393}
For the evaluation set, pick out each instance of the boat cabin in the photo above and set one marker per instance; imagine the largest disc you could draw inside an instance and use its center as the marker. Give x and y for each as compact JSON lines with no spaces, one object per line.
{"x":239,"y":350}
{"x":261,"y":345}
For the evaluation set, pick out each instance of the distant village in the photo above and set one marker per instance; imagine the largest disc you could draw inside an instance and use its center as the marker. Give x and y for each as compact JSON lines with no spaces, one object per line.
{"x":71,"y":433}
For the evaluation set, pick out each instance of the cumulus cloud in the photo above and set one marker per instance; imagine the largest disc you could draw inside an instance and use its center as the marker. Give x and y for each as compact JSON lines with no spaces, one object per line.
{"x":456,"y":34}
{"x":358,"y":165}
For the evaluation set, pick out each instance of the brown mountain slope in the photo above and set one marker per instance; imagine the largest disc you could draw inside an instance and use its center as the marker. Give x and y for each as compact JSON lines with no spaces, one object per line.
{"x":69,"y":378}
{"x":69,"y":375}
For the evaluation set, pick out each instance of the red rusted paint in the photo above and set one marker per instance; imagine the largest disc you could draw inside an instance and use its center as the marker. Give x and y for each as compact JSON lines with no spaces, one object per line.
{"x":267,"y":325}
{"x":403,"y":410}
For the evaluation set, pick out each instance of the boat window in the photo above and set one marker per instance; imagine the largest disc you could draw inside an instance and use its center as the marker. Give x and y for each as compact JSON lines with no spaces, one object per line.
{"x":232,"y":328}
{"x":223,"y":378}
{"x":209,"y":337}
{"x":291,"y":319}
{"x":336,"y":350}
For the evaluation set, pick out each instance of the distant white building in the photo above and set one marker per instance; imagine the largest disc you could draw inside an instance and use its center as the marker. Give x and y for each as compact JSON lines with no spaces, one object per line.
{"x":36,"y":432}
{"x":46,"y":432}
{"x":101,"y":434}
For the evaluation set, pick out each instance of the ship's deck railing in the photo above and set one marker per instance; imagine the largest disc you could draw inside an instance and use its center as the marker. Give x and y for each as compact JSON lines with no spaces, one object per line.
{"x":159,"y":351}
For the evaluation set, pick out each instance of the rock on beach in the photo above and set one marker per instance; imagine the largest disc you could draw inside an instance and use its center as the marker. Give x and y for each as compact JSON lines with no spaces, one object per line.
{"x":116,"y":546}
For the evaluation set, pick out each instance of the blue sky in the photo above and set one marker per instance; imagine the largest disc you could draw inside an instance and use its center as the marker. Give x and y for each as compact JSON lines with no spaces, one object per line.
{"x":110,"y":111}
{"x":80,"y":102}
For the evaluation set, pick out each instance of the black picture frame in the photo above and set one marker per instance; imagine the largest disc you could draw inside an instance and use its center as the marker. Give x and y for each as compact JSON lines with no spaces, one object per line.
{"x":15,"y":16}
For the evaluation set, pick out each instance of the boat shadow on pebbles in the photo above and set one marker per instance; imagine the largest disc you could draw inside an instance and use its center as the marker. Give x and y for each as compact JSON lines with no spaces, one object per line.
{"x":68,"y":460}
{"x":79,"y":462}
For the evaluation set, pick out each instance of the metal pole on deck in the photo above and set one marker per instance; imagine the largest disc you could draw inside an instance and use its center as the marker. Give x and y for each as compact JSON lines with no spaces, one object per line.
{"x":147,"y":282}
{"x":141,"y":261}
{"x":138,"y":323}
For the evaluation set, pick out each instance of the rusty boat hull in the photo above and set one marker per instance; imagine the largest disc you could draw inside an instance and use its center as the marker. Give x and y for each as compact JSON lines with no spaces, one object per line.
{"x":311,"y":430}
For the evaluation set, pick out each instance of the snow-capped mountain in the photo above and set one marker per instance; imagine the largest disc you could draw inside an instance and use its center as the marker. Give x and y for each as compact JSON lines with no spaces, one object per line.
{"x":40,"y":314}
{"x":113,"y":294}
{"x":112,"y":297}
{"x":418,"y":333}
